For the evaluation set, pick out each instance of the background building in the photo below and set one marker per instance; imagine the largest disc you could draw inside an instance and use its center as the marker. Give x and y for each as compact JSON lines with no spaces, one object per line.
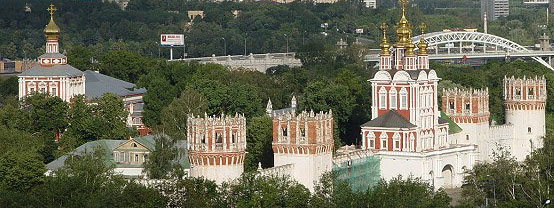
{"x":495,"y":9}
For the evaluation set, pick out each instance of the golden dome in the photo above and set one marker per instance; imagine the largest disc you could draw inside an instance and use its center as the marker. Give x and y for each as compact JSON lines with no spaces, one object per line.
{"x":52,"y":30}
{"x":403,"y":30}
{"x":384,"y":43}
{"x":422,"y":46}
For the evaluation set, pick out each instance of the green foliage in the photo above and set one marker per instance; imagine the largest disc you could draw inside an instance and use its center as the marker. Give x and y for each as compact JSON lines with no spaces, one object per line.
{"x":261,"y":191}
{"x":47,"y":114}
{"x":20,"y":170}
{"x":410,"y":192}
{"x":259,"y":136}
{"x":160,"y":161}
{"x":192,"y":192}
{"x":174,"y":116}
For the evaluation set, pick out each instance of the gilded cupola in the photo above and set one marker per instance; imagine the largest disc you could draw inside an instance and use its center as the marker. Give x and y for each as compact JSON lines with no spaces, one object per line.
{"x":384,"y":43}
{"x":52,"y":31}
{"x":422,"y":46}
{"x":403,"y":30}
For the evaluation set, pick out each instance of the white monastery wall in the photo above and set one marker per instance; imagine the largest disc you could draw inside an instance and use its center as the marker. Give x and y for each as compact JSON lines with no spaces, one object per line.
{"x":219,"y":174}
{"x":307,"y":168}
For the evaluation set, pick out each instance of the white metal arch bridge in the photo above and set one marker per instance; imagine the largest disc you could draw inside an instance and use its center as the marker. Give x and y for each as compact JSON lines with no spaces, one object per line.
{"x":463,"y":44}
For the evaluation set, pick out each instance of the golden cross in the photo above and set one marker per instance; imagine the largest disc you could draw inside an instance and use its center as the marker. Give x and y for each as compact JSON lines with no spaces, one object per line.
{"x":52,"y":9}
{"x":383,"y":28}
{"x":422,"y":27}
{"x":403,"y":4}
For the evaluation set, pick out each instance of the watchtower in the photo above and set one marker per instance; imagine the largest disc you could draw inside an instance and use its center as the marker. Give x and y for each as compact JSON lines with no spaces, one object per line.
{"x":216,"y":146}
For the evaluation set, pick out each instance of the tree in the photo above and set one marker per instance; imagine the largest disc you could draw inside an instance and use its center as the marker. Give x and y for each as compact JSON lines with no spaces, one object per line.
{"x":192,"y":192}
{"x":47,"y":114}
{"x":259,"y":136}
{"x":160,"y":163}
{"x":325,"y":96}
{"x":333,"y":192}
{"x":252,"y":190}
{"x":82,"y":126}
{"x":409,"y":192}
{"x":111,"y":117}
{"x":174,"y":116}
{"x":20,"y":170}
{"x":125,"y":65}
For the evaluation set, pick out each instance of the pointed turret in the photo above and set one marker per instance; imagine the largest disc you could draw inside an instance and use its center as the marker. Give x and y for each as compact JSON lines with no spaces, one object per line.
{"x":293,"y":102}
{"x":269,"y":108}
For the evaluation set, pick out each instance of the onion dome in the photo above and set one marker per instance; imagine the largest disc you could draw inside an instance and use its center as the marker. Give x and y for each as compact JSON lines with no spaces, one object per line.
{"x":384,"y":43}
{"x":422,"y":46}
{"x":409,"y":45}
{"x":52,"y":30}
{"x":403,"y":28}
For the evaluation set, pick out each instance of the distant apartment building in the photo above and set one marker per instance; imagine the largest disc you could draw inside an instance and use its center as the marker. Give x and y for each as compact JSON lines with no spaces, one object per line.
{"x":371,"y":4}
{"x":10,"y":67}
{"x":495,"y":9}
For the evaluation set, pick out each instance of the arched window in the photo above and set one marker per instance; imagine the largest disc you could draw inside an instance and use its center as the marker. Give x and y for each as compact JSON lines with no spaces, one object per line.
{"x":529,"y":130}
{"x":403,"y":99}
{"x":134,"y":145}
{"x":382,"y":98}
{"x":384,"y":138}
{"x":396,"y":141}
{"x":371,"y":139}
{"x":219,"y":138}
{"x":392,"y":98}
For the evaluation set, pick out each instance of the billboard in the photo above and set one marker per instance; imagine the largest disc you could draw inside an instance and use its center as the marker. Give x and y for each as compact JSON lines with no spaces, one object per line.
{"x":172,"y":39}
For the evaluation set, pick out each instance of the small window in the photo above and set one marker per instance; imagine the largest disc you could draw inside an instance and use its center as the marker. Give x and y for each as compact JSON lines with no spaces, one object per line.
{"x":467,"y":106}
{"x":285,"y":132}
{"x":302,"y":132}
{"x":134,"y":145}
{"x":219,"y":138}
{"x":403,"y":99}
{"x":233,"y":137}
{"x":136,"y":157}
{"x":451,"y":105}
{"x":203,"y":139}
{"x":467,"y":137}
{"x":518,"y":91}
{"x":529,"y":130}
{"x":382,"y":98}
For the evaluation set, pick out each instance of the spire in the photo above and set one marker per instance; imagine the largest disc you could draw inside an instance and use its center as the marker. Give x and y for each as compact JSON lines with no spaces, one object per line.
{"x":293,"y":102}
{"x":52,"y":31}
{"x":269,"y":107}
{"x":384,"y":43}
{"x":422,"y":46}
{"x":403,"y":28}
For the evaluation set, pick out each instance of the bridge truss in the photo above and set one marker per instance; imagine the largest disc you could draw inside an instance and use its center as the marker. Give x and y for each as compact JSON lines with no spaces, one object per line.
{"x":434,"y":40}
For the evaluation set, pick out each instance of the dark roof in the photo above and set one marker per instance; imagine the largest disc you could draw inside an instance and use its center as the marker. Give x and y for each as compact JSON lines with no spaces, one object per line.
{"x":452,"y":126}
{"x":283,"y":111}
{"x":390,"y":119}
{"x":54,"y":70}
{"x":98,"y":84}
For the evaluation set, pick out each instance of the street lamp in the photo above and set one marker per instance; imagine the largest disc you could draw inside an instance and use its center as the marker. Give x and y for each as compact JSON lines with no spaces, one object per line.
{"x":245,"y":37}
{"x":224,"y":47}
{"x":287,"y":38}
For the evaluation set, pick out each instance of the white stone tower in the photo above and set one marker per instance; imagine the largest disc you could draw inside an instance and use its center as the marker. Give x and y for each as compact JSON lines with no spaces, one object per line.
{"x":524,"y":102}
{"x":216,"y":146}
{"x":305,"y":141}
{"x":469,"y":109}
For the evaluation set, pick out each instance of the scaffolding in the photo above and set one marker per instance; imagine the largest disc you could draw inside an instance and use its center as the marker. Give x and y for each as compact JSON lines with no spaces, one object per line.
{"x":360,"y":168}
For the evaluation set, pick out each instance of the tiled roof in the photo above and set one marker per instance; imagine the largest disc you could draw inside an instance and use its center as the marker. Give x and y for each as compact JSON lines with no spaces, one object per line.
{"x":54,"y":70}
{"x":98,"y":84}
{"x":390,"y":119}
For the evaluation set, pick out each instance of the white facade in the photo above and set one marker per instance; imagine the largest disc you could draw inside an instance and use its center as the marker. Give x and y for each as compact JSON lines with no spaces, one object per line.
{"x":307,"y":169}
{"x":441,"y":168}
{"x":219,"y":174}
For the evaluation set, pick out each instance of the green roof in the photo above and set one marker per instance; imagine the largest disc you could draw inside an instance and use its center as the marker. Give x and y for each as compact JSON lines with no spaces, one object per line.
{"x":452,"y":126}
